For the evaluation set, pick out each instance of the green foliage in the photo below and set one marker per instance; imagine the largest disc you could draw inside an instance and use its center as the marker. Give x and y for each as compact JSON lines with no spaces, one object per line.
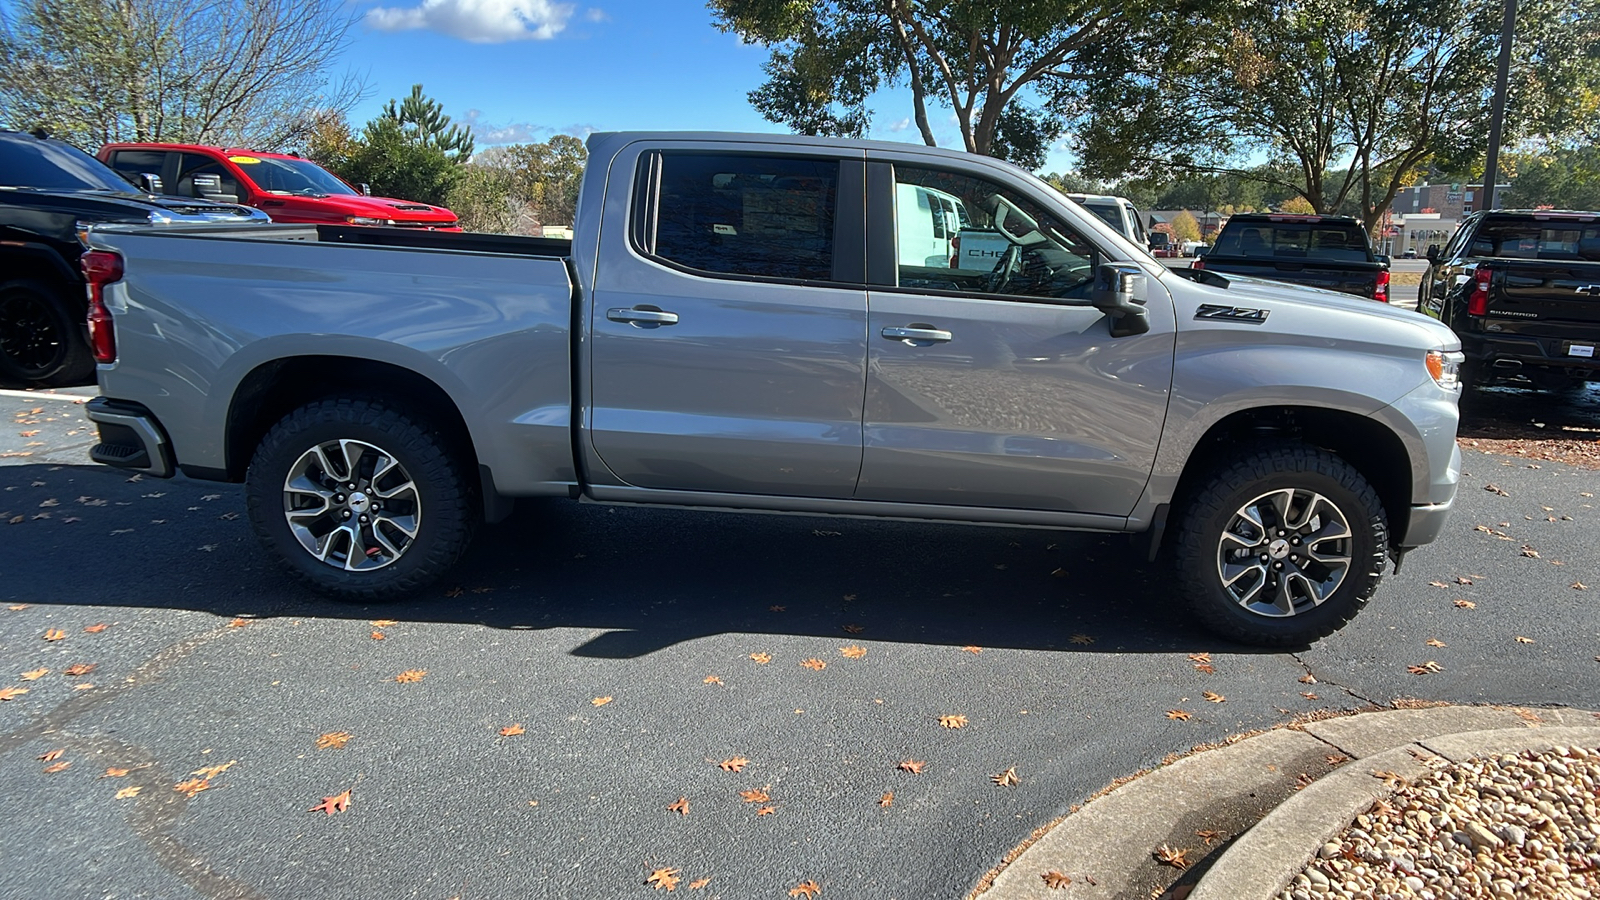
{"x":1184,"y":227}
{"x":1297,"y":205}
{"x":422,"y":120}
{"x":234,"y":72}
{"x":1009,"y":72}
{"x":1349,"y":99}
{"x":515,"y":189}
{"x":481,"y":197}
{"x":1563,"y":178}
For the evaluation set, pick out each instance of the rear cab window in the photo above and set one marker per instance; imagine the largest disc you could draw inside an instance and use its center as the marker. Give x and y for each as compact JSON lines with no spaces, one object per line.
{"x":1553,"y":239}
{"x":746,"y":216}
{"x":1307,"y":239}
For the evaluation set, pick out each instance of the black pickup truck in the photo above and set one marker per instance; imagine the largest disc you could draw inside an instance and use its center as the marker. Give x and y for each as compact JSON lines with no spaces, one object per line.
{"x":50,"y":194}
{"x":1328,"y":252}
{"x":1522,"y":290}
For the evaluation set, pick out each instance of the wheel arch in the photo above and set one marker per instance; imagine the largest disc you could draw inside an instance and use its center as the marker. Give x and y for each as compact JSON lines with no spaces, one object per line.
{"x":1376,"y":451}
{"x":275,"y":388}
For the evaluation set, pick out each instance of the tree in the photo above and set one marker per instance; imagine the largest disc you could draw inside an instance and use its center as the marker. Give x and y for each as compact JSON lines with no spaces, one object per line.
{"x":986,"y":62}
{"x":232,"y":72}
{"x":422,"y":120}
{"x":1184,"y":227}
{"x":1386,"y":86}
{"x":547,"y":177}
{"x":482,"y":197}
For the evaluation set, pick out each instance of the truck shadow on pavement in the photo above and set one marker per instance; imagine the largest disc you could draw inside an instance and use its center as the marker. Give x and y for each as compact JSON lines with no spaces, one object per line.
{"x":648,"y":578}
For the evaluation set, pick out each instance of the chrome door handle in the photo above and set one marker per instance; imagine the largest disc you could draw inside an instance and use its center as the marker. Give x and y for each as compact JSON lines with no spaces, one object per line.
{"x":912,"y":334}
{"x":644,"y":318}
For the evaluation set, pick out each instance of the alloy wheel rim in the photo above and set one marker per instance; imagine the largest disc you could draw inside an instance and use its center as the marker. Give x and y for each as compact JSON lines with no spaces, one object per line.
{"x":351,"y":505}
{"x":28,"y":334}
{"x":1285,"y":552}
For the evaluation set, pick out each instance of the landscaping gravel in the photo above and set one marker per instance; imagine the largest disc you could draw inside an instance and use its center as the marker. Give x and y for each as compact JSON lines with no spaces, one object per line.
{"x":1504,"y":826}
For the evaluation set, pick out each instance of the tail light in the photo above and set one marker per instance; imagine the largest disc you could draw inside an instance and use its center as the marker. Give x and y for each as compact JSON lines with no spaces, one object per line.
{"x":1478,"y":301}
{"x":100,"y":268}
{"x":1380,"y":293}
{"x":1198,"y":264}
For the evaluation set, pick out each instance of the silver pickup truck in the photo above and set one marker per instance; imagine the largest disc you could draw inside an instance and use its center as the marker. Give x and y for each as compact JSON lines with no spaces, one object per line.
{"x":737,"y":324}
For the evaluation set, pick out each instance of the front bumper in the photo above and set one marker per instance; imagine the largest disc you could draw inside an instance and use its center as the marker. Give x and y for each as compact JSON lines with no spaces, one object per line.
{"x":130,"y":437}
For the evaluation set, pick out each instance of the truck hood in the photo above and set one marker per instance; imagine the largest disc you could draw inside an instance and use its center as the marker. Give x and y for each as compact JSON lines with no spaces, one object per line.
{"x":1307,"y":304}
{"x":127,"y":207}
{"x":386,"y":208}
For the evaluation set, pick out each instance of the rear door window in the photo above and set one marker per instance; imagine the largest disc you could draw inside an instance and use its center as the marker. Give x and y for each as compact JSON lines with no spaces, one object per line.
{"x":194,"y":164}
{"x":133,"y":163}
{"x":749,"y":216}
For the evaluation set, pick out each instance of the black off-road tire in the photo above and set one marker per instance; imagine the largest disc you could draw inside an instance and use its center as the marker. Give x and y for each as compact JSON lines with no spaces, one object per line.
{"x":1235,"y":483}
{"x":450,"y":512}
{"x":34,"y":321}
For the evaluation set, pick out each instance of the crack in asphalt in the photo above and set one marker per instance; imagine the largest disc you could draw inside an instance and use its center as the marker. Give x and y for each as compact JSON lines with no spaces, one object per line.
{"x":1320,"y":680}
{"x":152,"y":815}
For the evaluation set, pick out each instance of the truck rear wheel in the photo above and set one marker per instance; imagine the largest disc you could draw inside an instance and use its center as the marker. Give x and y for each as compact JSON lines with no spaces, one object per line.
{"x":1282,"y":546}
{"x":360,"y":499}
{"x":39,"y":341}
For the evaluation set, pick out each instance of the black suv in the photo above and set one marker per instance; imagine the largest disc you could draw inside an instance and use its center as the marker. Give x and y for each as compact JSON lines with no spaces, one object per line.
{"x":50,"y":194}
{"x":1328,"y":252}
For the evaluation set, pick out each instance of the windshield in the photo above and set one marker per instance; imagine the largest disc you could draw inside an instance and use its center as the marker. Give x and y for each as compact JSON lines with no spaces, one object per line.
{"x":27,"y":162}
{"x":290,"y":176}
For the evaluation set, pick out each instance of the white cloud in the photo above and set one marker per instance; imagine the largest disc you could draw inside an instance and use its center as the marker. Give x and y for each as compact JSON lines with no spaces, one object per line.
{"x":596,"y":14}
{"x":491,"y":134}
{"x":478,"y":21}
{"x":899,"y":126}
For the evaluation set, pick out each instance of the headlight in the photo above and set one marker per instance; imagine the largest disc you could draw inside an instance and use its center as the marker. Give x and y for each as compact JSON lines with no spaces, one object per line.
{"x":364,"y":220}
{"x":1445,"y":367}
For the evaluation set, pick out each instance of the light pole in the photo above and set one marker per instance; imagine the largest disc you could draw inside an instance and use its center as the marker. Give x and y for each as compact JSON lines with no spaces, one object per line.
{"x":1497,"y":109}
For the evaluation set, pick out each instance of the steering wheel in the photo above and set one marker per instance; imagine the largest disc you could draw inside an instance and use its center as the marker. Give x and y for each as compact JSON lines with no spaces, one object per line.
{"x":995,"y":282}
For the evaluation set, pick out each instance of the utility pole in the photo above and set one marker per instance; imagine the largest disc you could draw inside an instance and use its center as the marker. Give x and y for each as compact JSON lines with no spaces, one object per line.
{"x":1497,"y":110}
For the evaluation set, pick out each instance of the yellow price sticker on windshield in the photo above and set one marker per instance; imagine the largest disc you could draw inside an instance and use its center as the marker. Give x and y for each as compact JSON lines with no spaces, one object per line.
{"x":244,"y":160}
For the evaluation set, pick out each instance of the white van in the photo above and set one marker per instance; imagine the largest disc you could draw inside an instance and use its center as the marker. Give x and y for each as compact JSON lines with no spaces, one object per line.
{"x":1118,"y":212}
{"x":930,"y":220}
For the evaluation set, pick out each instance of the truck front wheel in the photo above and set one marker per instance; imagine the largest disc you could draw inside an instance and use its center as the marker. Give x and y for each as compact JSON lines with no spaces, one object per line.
{"x":360,"y":499}
{"x":1281,"y":546}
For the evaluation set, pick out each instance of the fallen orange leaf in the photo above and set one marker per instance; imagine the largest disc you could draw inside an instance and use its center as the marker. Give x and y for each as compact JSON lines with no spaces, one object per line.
{"x":191,"y":787}
{"x":887,"y":799}
{"x":1466,"y":604}
{"x":79,"y":669}
{"x":383,"y":623}
{"x":699,"y":883}
{"x":766,"y":810}
{"x":1524,"y":640}
{"x":761,"y":658}
{"x":1055,"y":881}
{"x":57,"y":767}
{"x":510,"y":730}
{"x":54,"y":634}
{"x":131,"y":791}
{"x":1213,"y":697}
{"x":815,"y":665}
{"x":1204,"y":668}
{"x":914,"y":766}
{"x":331,"y":805}
{"x":377,"y":635}
{"x":1171,"y":856}
{"x":852,"y":652}
{"x":49,"y":755}
{"x":956,"y":721}
{"x":210,"y":772}
{"x":808,"y":889}
{"x":115,"y":773}
{"x":96,"y":628}
{"x":35,"y":675}
{"x":600,"y":701}
{"x":663,"y":878}
{"x":733,"y":764}
{"x":410,"y":676}
{"x":1435,"y":642}
{"x":681,"y":807}
{"x":333,"y":740}
{"x":238,"y":623}
{"x":11,"y":693}
{"x":711,"y":679}
{"x":1178,"y":714}
{"x":972,"y":648}
{"x":1008,"y":778}
{"x":759,"y":795}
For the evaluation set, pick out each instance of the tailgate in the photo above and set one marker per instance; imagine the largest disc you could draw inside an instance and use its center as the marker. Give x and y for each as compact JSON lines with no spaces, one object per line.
{"x":1546,"y":290}
{"x":1360,"y":279}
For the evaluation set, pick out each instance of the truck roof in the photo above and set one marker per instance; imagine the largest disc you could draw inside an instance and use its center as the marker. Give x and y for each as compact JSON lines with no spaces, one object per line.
{"x":197,"y":148}
{"x":610,"y":141}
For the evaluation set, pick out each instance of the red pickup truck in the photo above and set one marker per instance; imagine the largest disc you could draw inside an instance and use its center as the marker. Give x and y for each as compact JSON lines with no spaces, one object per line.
{"x":287,"y":188}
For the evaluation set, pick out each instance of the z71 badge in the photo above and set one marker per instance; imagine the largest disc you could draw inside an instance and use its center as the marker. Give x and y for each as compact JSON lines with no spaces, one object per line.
{"x":1232,"y":313}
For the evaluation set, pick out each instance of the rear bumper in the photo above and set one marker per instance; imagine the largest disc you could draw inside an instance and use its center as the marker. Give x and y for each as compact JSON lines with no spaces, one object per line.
{"x":1507,"y":354}
{"x":130,"y":437}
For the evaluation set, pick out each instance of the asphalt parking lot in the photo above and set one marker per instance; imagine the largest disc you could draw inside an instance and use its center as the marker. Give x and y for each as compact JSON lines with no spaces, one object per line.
{"x":637,"y":649}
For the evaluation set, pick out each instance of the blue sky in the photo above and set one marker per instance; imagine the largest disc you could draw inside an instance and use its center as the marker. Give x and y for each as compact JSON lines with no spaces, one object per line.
{"x":521,"y":70}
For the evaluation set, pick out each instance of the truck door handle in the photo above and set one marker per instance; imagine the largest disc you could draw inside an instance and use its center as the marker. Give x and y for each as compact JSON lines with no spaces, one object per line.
{"x":917,"y":334}
{"x":642,"y":317}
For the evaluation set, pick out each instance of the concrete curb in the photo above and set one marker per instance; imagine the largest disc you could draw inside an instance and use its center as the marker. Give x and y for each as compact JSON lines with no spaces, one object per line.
{"x":1106,"y":847}
{"x":1265,"y":860}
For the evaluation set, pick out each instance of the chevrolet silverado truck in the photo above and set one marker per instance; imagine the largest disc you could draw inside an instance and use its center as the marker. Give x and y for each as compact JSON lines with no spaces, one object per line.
{"x":734,"y":326}
{"x":50,"y":192}
{"x":1522,"y":291}
{"x":1327,"y":252}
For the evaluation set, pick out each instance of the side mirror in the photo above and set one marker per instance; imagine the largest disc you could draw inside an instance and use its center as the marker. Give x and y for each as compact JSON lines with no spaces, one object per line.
{"x":1384,"y":260}
{"x":1115,"y":287}
{"x":149,"y":182}
{"x":366,"y":189}
{"x":1433,"y":253}
{"x":1200,"y":251}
